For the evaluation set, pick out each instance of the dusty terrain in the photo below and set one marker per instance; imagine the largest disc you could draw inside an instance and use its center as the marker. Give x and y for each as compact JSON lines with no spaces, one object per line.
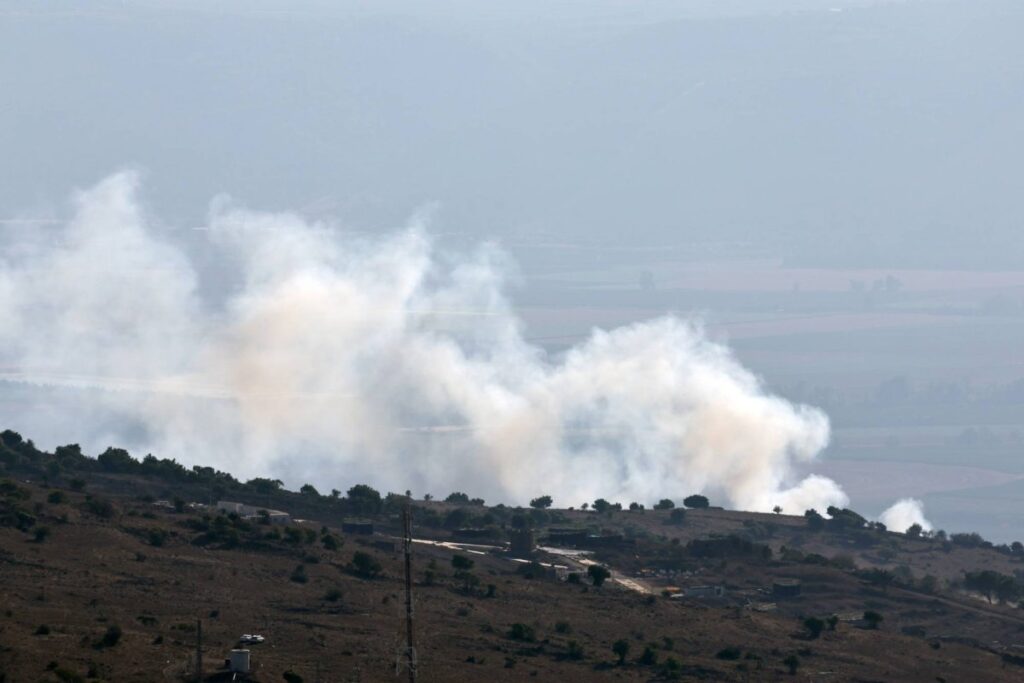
{"x":138,"y":567}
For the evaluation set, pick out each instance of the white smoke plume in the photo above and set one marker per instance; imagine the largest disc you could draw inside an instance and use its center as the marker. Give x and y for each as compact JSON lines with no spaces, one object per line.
{"x":903,"y":514}
{"x":341,"y":359}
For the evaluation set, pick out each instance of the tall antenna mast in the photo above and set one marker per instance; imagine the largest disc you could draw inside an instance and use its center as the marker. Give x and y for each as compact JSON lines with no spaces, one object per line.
{"x":410,"y":650}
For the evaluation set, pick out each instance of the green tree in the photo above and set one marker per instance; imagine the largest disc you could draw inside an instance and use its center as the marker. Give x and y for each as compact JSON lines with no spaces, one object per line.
{"x":365,"y":500}
{"x":664,"y":504}
{"x":696,"y":501}
{"x":541,"y":502}
{"x":602,"y":506}
{"x":598,"y":574}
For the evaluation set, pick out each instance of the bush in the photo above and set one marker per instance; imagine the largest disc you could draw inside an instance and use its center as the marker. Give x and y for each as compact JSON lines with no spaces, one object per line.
{"x":67,"y":676}
{"x":873,"y":619}
{"x":43,"y":630}
{"x":55,"y":497}
{"x":461,"y":563}
{"x":664,"y":504}
{"x":522,"y":632}
{"x":792,"y":663}
{"x":598,"y":574}
{"x":41,"y":533}
{"x":110,"y":638}
{"x":299,"y":574}
{"x":677,"y":516}
{"x":574,"y":650}
{"x":333,"y":595}
{"x":563,"y":627}
{"x":291,"y":677}
{"x":729,"y":653}
{"x":621,"y":649}
{"x":364,"y":565}
{"x":573,"y":577}
{"x":814,"y":627}
{"x":101,"y":507}
{"x":649,"y":656}
{"x":156,"y":537}
{"x":696,"y":501}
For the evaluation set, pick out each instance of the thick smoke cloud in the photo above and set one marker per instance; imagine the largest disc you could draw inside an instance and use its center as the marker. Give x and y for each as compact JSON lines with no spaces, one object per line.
{"x":339,"y":359}
{"x":903,"y":514}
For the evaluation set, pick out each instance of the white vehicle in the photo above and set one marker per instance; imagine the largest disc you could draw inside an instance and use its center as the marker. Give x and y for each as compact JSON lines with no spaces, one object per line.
{"x":251,"y":638}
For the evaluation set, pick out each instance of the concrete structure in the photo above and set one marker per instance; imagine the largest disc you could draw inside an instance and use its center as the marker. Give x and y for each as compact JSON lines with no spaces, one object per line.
{"x":361,"y":527}
{"x":252,"y":512}
{"x":704,"y":591}
{"x":522,"y":544}
{"x":239,"y":662}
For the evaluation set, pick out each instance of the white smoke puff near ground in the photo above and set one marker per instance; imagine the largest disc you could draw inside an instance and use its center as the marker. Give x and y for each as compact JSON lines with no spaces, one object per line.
{"x":383,"y":361}
{"x":903,"y":514}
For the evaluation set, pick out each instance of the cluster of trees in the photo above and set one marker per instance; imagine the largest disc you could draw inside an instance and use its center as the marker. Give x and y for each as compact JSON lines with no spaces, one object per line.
{"x":994,"y":586}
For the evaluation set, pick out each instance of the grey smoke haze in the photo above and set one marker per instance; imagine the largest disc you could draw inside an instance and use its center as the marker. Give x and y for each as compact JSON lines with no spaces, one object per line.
{"x":342,"y":358}
{"x":878,"y":134}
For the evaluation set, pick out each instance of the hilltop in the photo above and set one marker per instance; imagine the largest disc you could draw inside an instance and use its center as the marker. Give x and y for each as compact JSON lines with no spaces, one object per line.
{"x":108,"y":564}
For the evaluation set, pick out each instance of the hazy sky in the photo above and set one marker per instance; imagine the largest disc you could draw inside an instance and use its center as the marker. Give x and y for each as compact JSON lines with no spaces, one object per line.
{"x":893,"y":128}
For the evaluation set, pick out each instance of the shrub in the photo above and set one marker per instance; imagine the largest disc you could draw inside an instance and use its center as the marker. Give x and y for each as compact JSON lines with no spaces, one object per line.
{"x":873,"y":619}
{"x":574,"y":650}
{"x":814,"y":627}
{"x":101,"y":507}
{"x":573,"y":577}
{"x":299,"y":574}
{"x":333,"y":595}
{"x":364,"y":565}
{"x":67,"y":676}
{"x":55,"y":497}
{"x":729,"y":653}
{"x":41,"y":533}
{"x":156,"y":537}
{"x":330,"y":542}
{"x":461,"y":563}
{"x":563,"y":627}
{"x":522,"y":632}
{"x":110,"y":638}
{"x":649,"y":657}
{"x":291,"y":677}
{"x":598,"y":574}
{"x":664,"y":504}
{"x":43,"y":630}
{"x":621,"y":649}
{"x":792,"y":663}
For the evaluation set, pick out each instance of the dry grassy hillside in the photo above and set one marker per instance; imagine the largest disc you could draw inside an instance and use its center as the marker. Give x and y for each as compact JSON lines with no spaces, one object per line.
{"x":114,"y":589}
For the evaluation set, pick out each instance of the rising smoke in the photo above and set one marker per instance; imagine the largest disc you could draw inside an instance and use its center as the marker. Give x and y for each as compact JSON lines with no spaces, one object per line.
{"x":903,"y":514}
{"x":339,"y":359}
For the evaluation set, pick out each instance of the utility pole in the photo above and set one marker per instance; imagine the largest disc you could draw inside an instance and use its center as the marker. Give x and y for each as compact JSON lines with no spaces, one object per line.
{"x":199,"y":650}
{"x":410,"y":650}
